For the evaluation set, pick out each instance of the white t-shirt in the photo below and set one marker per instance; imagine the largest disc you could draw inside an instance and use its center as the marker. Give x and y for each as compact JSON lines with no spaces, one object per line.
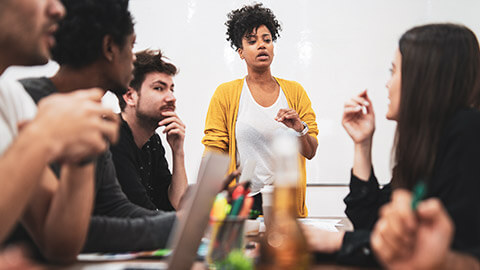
{"x":254,"y":129}
{"x":15,"y":106}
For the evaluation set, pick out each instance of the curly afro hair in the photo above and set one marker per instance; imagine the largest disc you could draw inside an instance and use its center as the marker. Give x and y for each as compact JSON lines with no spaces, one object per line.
{"x":244,"y":20}
{"x":81,"y":32}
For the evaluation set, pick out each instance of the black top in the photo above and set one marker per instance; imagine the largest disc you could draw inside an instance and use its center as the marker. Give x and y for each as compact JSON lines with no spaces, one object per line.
{"x":455,"y":181}
{"x":142,"y":173}
{"x":117,"y":224}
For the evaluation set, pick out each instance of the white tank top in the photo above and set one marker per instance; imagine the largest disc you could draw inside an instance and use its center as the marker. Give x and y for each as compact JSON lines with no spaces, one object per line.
{"x":254,"y":129}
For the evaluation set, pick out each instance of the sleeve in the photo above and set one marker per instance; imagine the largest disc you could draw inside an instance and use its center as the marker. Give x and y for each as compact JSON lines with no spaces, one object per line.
{"x":163,"y":180}
{"x":356,"y":249}
{"x":110,"y":199}
{"x":364,"y":201}
{"x":306,"y":113}
{"x":456,"y":182}
{"x":128,"y":176}
{"x":216,"y":126}
{"x":112,"y":234}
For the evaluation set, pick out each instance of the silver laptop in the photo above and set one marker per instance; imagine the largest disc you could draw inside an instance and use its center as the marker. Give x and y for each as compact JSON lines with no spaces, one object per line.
{"x":188,"y":231}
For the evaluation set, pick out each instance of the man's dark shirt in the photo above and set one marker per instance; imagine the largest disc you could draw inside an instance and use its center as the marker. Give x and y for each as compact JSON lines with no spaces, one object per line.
{"x":142,"y":173}
{"x":117,"y":224}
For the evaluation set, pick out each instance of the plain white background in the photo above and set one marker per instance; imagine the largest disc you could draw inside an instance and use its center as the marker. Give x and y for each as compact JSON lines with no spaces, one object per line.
{"x":333,"y":48}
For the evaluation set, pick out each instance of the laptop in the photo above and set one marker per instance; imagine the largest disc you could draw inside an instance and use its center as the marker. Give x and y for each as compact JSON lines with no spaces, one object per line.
{"x":190,"y":227}
{"x":188,"y":231}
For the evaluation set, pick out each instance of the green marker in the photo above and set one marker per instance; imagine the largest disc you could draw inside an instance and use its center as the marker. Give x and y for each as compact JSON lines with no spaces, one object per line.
{"x":419,"y":191}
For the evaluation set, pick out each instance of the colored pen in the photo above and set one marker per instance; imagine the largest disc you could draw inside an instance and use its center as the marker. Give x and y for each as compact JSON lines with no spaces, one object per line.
{"x":419,"y":192}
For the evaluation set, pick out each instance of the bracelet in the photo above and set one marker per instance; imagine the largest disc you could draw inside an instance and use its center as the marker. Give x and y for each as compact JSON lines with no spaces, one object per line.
{"x":304,"y":131}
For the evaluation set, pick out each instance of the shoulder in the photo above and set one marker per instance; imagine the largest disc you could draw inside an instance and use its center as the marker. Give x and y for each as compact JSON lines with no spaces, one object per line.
{"x":15,"y":102}
{"x":38,"y":88}
{"x":467,"y":120}
{"x":290,"y":85}
{"x":228,"y":88}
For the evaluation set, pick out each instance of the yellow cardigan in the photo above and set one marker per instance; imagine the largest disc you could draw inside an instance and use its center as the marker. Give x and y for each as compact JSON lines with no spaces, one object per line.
{"x":222,"y":116}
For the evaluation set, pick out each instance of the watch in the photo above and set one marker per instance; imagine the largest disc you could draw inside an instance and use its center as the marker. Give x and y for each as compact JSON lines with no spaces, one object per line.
{"x":304,"y":131}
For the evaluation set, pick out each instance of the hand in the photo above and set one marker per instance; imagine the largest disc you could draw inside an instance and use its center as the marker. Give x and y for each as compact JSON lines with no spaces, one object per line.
{"x":321,"y":240}
{"x":289,"y":117}
{"x":358,"y":125}
{"x":175,"y":130}
{"x":402,"y":241}
{"x":76,"y":124}
{"x":13,"y":258}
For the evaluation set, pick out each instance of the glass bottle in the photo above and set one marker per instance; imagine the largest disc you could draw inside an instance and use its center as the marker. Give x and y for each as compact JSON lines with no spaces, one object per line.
{"x":284,"y":246}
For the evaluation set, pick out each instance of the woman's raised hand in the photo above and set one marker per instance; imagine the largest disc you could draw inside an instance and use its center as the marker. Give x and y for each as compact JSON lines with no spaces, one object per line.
{"x":358,"y":118}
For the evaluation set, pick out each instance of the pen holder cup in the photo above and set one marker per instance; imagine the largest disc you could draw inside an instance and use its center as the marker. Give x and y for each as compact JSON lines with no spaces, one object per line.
{"x":226,"y":236}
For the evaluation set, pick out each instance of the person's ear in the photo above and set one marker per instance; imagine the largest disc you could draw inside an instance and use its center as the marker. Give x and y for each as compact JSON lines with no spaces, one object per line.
{"x":240,"y":53}
{"x":131,"y":97}
{"x":109,"y":48}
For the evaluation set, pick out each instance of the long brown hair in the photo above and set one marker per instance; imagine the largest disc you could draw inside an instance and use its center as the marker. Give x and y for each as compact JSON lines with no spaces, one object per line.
{"x":440,"y":70}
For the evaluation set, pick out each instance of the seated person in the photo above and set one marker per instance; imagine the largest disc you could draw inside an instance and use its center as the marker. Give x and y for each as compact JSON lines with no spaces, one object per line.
{"x":139,"y":156}
{"x":103,"y":59}
{"x":68,"y":129}
{"x":404,"y":239}
{"x":433,"y":94}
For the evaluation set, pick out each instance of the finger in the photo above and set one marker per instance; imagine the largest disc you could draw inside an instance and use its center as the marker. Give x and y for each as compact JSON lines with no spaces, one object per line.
{"x":176,"y":132}
{"x":361,"y":101}
{"x":172,"y":126}
{"x":432,"y":211}
{"x":401,"y":200}
{"x":169,"y":120}
{"x":291,"y":115}
{"x":393,"y":248}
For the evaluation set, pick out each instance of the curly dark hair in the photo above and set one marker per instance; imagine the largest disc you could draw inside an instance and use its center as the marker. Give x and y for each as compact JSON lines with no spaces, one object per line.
{"x":147,"y":61}
{"x":244,"y":20}
{"x":81,"y":32}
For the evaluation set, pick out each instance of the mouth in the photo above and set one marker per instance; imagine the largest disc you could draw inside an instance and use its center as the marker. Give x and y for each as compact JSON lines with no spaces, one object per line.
{"x":263,"y":56}
{"x":50,"y":35}
{"x":167,"y":109}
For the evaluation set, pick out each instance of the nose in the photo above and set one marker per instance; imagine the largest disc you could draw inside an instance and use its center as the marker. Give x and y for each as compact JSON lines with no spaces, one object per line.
{"x":56,"y":9}
{"x":171,"y":97}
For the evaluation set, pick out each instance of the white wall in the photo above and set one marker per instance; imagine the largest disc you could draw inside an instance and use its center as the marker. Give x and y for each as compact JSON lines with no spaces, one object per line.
{"x":333,"y":48}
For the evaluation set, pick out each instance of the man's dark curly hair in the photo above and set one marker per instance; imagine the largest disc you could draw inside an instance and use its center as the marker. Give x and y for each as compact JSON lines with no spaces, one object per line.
{"x":243,"y":21}
{"x":81,"y":32}
{"x":147,"y":61}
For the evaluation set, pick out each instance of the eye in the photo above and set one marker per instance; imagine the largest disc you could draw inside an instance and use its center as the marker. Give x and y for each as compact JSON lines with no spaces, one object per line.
{"x":391,"y":70}
{"x":158,"y":88}
{"x":267,"y":40}
{"x":252,"y":41}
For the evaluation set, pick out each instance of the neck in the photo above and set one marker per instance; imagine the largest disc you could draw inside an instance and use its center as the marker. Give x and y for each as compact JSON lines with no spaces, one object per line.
{"x":259,"y":76}
{"x":68,"y":79}
{"x":141,"y":131}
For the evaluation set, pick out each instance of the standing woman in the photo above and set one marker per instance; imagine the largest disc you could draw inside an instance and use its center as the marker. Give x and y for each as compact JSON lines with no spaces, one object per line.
{"x":244,"y":113}
{"x":433,"y":93}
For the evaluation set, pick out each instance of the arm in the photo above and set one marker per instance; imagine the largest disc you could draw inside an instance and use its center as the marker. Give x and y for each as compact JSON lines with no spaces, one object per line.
{"x":175,"y":130}
{"x":59,"y":212}
{"x":116,"y":234}
{"x":110,"y":200}
{"x":216,"y":132}
{"x":360,"y":127}
{"x":290,"y":118}
{"x":17,"y":189}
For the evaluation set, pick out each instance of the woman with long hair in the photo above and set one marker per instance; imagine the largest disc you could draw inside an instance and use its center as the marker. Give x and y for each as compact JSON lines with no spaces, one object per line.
{"x":244,"y":113}
{"x":433,"y":92}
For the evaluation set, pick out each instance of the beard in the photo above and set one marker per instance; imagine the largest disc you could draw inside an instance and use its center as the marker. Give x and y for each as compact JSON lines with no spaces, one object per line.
{"x":148,"y":121}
